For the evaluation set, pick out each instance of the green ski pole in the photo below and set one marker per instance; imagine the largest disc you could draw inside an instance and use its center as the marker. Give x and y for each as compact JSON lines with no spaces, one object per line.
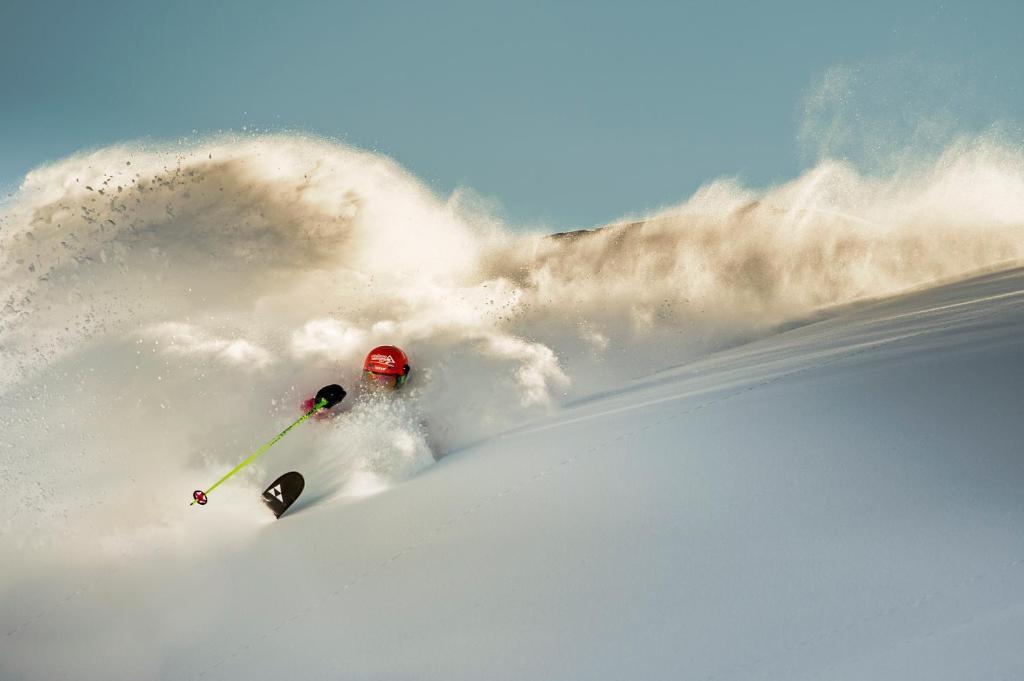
{"x":324,"y":399}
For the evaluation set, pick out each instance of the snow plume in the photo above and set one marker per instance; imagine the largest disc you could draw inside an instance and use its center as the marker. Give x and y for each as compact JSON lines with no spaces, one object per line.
{"x":315,"y":250}
{"x":376,"y":443}
{"x":829,"y":237}
{"x":187,"y":339}
{"x":164,"y":310}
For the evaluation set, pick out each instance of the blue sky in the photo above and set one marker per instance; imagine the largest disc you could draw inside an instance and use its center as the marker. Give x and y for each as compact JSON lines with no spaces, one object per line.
{"x":569,"y":114}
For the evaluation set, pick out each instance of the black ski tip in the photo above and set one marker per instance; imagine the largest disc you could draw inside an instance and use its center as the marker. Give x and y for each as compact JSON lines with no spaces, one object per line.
{"x":333,"y":394}
{"x":283,"y":492}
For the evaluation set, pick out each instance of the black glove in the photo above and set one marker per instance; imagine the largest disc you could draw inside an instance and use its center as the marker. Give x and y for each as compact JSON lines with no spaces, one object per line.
{"x":333,"y":394}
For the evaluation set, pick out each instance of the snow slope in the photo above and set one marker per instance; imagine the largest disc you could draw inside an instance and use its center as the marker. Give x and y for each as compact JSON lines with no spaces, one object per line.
{"x":838,"y":497}
{"x":839,"y":501}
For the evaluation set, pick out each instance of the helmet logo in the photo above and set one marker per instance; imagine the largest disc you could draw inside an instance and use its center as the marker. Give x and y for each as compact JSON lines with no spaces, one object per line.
{"x":383,"y":359}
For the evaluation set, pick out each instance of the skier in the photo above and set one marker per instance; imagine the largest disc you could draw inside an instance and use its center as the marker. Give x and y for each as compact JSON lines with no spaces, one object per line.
{"x":386,"y":367}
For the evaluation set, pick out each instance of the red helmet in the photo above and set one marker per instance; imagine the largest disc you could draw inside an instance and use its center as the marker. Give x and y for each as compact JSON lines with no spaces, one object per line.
{"x":386,"y":365}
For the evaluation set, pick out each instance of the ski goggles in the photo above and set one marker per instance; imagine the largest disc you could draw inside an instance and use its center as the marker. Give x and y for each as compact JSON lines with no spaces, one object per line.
{"x":384,"y":380}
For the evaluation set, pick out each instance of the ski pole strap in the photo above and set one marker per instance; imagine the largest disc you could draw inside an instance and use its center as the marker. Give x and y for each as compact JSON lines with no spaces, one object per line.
{"x":262,"y":450}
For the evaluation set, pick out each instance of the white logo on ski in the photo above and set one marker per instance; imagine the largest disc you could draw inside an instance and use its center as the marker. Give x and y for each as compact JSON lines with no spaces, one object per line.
{"x":276,"y":493}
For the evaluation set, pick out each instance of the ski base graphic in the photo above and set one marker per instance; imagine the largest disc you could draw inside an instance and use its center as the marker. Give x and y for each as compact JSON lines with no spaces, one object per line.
{"x":283,"y":492}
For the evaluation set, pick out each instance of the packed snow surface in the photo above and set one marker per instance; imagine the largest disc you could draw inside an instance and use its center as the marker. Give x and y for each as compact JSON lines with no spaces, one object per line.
{"x":758,"y":435}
